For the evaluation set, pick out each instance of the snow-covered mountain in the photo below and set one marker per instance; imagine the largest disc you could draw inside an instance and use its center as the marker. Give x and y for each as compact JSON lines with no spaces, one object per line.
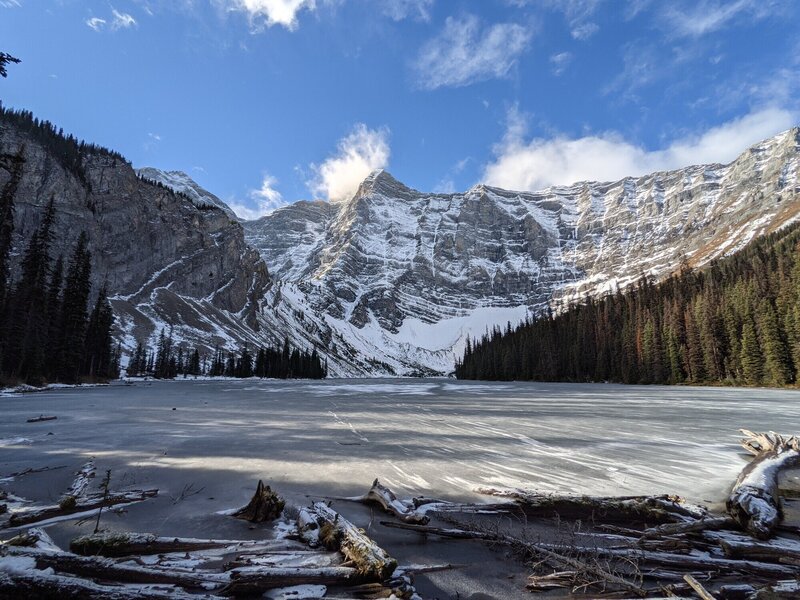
{"x":180,"y":182}
{"x":394,"y":280}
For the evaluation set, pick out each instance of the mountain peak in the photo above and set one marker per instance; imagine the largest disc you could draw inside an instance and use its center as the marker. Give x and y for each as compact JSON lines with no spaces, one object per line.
{"x":382,"y":182}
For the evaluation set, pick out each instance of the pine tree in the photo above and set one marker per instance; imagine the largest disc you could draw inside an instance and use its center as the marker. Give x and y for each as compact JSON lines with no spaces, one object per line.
{"x":74,"y":319}
{"x":98,"y":345}
{"x":751,"y":360}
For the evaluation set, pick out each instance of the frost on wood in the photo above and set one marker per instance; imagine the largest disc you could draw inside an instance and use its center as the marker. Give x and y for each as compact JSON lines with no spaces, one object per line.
{"x":754,"y":502}
{"x":320,"y":525}
{"x":404,"y":510}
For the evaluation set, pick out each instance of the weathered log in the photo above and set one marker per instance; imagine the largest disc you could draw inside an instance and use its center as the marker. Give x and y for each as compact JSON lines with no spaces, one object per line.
{"x":403,"y":510}
{"x":252,"y":581}
{"x":754,"y":502}
{"x":265,"y":505}
{"x":80,"y":505}
{"x":623,"y":509}
{"x":38,"y":585}
{"x":116,"y":544}
{"x":41,"y":418}
{"x":664,"y":559}
{"x":707,"y":524}
{"x":319,"y":524}
{"x":698,"y":588}
{"x":82,"y":480}
{"x":106,"y":569}
{"x":769,"y":552}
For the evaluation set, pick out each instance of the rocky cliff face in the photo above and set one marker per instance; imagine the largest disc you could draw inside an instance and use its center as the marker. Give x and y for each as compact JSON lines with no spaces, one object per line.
{"x":394,"y":280}
{"x":167,"y":263}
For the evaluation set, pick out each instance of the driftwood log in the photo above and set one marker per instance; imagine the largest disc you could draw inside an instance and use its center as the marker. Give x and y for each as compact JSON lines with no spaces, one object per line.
{"x":250,"y":581}
{"x":265,"y":505}
{"x":132,"y":544}
{"x":404,"y":510}
{"x":79,"y":505}
{"x":320,"y":525}
{"x":625,"y":509}
{"x":754,"y":501}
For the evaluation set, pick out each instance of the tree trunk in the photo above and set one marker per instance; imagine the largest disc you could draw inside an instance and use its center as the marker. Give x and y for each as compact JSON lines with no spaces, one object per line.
{"x":319,"y":524}
{"x":754,"y":501}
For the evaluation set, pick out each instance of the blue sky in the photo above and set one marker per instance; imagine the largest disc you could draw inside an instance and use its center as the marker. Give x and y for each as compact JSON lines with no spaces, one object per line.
{"x":265,"y":102}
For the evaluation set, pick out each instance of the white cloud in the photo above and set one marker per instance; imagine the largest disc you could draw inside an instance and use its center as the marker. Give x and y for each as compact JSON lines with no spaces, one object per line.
{"x":560,"y":62}
{"x":358,"y":154}
{"x":266,"y":199}
{"x":699,"y":18}
{"x":466,"y":52}
{"x":584,"y":31}
{"x":10,"y":3}
{"x":96,"y":23}
{"x":267,"y":13}
{"x":405,"y":9}
{"x":535,"y":164}
{"x":122,"y":20}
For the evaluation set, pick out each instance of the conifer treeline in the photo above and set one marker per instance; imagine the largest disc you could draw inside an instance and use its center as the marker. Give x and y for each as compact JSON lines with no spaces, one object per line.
{"x":47,"y":333}
{"x":737,"y":321}
{"x":67,"y":149}
{"x":166,"y":361}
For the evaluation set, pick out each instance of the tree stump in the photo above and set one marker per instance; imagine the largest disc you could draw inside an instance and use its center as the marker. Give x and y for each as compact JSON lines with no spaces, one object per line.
{"x":265,"y":505}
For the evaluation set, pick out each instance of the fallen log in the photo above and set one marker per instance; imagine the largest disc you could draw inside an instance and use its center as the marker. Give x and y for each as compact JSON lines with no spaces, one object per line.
{"x":44,"y":585}
{"x":692,"y":562}
{"x":116,"y":544}
{"x":624,"y":509}
{"x":754,"y":502}
{"x":321,"y":525}
{"x":403,"y":510}
{"x":106,"y":569}
{"x":707,"y":524}
{"x":82,"y":480}
{"x":265,"y":505}
{"x":251,"y":581}
{"x":41,"y":418}
{"x":769,"y":552}
{"x":80,"y":505}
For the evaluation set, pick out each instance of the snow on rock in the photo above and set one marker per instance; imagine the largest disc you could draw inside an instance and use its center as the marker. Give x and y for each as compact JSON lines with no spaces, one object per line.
{"x":393,"y":281}
{"x":180,"y":182}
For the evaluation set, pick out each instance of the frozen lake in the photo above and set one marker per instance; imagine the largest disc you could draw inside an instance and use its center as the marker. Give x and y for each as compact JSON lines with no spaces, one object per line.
{"x":439,"y":438}
{"x":431,"y":437}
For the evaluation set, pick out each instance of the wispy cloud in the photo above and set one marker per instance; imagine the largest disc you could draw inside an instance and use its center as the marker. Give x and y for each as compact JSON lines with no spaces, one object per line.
{"x":358,"y":154}
{"x":10,"y":3}
{"x":534,"y":164}
{"x":96,"y":23}
{"x":578,"y":13}
{"x":265,"y":200}
{"x":560,"y":62}
{"x":466,"y":52}
{"x":119,"y":20}
{"x":122,"y":20}
{"x":695,"y":19}
{"x":408,"y":9}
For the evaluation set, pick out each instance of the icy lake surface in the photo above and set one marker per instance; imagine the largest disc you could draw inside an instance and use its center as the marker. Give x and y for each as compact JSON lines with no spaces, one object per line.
{"x":431,"y":437}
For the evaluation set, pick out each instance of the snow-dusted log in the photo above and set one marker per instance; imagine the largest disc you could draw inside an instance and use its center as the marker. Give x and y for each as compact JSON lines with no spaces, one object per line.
{"x":754,"y":502}
{"x":321,"y":525}
{"x":107,"y":569}
{"x":82,"y":480}
{"x":115,"y":544}
{"x":403,"y":510}
{"x":693,"y":562}
{"x":624,"y":509}
{"x":250,"y":581}
{"x":265,"y":505}
{"x":82,"y":504}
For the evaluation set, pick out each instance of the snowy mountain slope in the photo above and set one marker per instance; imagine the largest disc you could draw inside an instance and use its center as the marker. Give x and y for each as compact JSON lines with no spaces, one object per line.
{"x":165,"y":262}
{"x":394,"y":280}
{"x":180,"y":182}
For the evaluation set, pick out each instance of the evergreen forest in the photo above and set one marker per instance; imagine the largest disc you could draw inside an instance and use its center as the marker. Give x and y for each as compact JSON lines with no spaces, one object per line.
{"x":735,"y":321}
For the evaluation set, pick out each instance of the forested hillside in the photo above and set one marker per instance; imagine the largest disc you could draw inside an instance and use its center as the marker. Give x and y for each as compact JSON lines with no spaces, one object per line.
{"x":736,"y":321}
